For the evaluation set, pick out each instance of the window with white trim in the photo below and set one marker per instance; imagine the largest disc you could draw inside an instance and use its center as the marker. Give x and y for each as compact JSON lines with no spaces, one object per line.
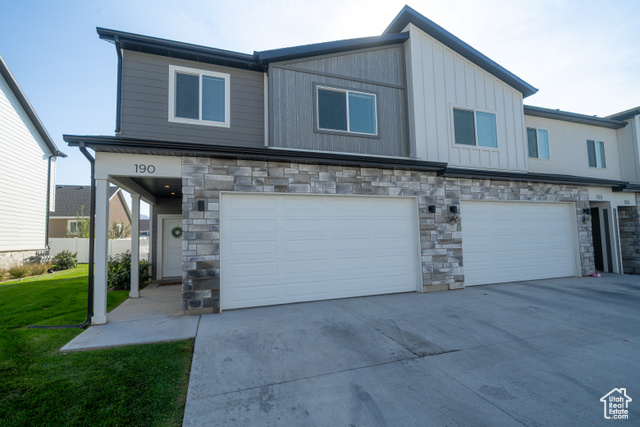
{"x":476,"y":128}
{"x":538,"y":140}
{"x":595,"y":152}
{"x":72,"y":227}
{"x":344,"y":110}
{"x":198,"y":97}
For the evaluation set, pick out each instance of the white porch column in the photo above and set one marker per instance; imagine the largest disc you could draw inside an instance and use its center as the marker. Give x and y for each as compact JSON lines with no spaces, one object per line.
{"x":135,"y":246}
{"x":151,"y":246}
{"x":101,"y":253}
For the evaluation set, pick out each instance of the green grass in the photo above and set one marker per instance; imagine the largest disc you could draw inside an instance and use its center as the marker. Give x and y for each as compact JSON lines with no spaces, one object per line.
{"x":135,"y":385}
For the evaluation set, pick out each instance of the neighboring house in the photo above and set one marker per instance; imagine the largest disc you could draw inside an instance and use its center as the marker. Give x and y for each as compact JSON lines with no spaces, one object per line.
{"x":144,"y":226}
{"x":73,"y":203}
{"x":402,"y":162}
{"x":27,"y":175}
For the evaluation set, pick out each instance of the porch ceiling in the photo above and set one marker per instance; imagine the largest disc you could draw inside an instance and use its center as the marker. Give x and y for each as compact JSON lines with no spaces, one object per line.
{"x":166,"y":188}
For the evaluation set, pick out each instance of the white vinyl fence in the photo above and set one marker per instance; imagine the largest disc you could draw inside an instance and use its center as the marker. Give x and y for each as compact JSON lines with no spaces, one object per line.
{"x":81,"y":246}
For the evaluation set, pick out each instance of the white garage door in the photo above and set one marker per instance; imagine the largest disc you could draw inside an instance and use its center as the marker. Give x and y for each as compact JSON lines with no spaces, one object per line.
{"x":511,"y":241}
{"x":290,"y":248}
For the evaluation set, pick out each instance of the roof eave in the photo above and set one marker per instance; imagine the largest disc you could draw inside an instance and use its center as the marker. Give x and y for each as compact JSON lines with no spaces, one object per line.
{"x":327,"y":48}
{"x":26,"y":105}
{"x":104,"y":143}
{"x":409,"y":16}
{"x":567,"y":116}
{"x":174,"y":49}
{"x":625,"y":115}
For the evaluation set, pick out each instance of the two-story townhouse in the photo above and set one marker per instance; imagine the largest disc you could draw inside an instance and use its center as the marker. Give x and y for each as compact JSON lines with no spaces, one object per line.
{"x":603,"y":148}
{"x":629,"y":212}
{"x":367,"y":166}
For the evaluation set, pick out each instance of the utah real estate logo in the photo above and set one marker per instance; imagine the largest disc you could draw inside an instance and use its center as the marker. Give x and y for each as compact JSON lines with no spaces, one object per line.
{"x":616,"y":404}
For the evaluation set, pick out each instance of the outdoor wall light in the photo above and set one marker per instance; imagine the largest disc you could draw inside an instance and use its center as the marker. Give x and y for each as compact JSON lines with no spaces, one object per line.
{"x":586,"y":211}
{"x":200,"y":205}
{"x":432,"y":208}
{"x":454,"y":218}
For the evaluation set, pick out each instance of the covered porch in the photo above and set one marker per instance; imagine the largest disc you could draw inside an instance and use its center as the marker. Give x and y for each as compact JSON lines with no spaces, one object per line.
{"x":157,"y":181}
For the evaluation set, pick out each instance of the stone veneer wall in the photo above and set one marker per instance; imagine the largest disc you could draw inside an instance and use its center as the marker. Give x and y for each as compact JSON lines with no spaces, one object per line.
{"x":441,"y":242}
{"x":629,"y":223}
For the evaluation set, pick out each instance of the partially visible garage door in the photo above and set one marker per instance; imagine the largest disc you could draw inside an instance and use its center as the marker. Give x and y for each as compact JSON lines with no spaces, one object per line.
{"x":290,"y":248}
{"x":513,"y":241}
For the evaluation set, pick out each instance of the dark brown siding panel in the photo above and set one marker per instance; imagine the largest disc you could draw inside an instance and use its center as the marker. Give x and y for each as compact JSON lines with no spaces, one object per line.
{"x":145,"y":86}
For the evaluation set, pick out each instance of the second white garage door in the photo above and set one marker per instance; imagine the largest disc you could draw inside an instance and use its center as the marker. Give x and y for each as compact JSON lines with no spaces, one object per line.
{"x":514,"y":241}
{"x":279,"y":249}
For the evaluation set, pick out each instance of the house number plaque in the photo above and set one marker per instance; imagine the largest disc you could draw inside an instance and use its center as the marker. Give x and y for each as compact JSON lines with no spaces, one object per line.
{"x":145,"y":168}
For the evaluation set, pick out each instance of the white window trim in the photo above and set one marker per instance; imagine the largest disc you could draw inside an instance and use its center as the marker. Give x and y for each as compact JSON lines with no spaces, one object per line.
{"x":538,"y":143}
{"x":596,"y":144}
{"x":346,"y":92}
{"x":69,"y":231}
{"x":475,"y":125}
{"x":173,"y":69}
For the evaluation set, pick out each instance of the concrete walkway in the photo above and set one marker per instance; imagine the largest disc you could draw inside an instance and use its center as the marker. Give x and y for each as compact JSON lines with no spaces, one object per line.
{"x":154,"y":317}
{"x":528,"y":353}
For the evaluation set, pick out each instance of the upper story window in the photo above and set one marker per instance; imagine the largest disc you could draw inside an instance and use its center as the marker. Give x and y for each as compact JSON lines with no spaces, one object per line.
{"x":346,"y":111}
{"x":538,"y":140}
{"x":476,"y":128}
{"x":198,"y":97}
{"x":595,"y":151}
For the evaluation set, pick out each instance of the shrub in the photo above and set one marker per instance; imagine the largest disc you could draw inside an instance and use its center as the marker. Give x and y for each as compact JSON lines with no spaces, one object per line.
{"x":65,"y":260}
{"x":26,"y":270}
{"x":39,"y":268}
{"x":4,"y":274}
{"x":19,"y":271}
{"x":119,"y":268}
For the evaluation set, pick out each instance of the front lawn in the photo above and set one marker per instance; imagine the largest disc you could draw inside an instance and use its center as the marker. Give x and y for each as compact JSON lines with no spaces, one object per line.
{"x":135,"y":385}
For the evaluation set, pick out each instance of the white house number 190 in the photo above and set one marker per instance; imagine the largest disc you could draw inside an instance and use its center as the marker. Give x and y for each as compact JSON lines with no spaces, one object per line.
{"x":145,"y":168}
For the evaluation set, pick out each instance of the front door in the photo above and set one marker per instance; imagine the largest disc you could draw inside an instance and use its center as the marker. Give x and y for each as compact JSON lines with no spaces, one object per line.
{"x":171,"y":247}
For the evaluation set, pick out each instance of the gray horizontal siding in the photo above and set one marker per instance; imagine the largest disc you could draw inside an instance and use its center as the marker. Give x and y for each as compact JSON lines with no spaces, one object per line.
{"x":145,"y":98}
{"x":291,"y":106}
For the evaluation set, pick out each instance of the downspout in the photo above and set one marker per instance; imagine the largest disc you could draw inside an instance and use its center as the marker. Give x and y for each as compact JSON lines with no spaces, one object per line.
{"x":46,"y":225}
{"x":116,"y":40}
{"x":92,"y":236}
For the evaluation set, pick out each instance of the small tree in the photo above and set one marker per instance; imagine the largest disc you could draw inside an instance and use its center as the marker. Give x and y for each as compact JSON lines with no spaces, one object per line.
{"x":119,"y":230}
{"x":82,"y":225}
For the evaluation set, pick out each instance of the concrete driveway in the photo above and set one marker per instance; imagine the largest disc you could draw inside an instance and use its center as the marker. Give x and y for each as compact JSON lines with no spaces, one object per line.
{"x":528,"y":353}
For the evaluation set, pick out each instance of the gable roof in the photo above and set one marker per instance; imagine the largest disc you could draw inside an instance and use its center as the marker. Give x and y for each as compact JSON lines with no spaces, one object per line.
{"x":71,"y":198}
{"x":260,"y":59}
{"x":409,"y":16}
{"x":548,"y":113}
{"x":625,"y":115}
{"x":256,"y":62}
{"x":24,"y":102}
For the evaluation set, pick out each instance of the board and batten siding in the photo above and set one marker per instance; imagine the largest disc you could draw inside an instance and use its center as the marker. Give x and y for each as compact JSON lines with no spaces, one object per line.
{"x":291,"y":101}
{"x":145,"y":103}
{"x":568,"y":149}
{"x":440,"y":80}
{"x":23,"y":177}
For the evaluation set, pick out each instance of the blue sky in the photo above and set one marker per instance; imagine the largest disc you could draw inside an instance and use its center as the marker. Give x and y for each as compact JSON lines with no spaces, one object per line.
{"x":584,"y":56}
